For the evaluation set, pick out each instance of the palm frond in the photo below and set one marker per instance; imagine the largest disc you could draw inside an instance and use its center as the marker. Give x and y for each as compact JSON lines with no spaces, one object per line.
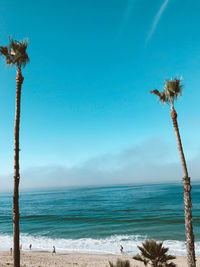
{"x":4,"y":50}
{"x":140,"y":258}
{"x":111,"y":264}
{"x":162,"y":96}
{"x":170,"y":257}
{"x":171,"y":264}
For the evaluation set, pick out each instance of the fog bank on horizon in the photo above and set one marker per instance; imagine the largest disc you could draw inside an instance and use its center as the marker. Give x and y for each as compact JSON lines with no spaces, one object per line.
{"x":153,"y":161}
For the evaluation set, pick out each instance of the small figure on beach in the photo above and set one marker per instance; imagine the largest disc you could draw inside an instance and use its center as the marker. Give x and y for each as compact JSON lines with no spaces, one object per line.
{"x":20,"y":247}
{"x":10,"y":251}
{"x":121,"y":248}
{"x":30,"y":246}
{"x":54,"y":249}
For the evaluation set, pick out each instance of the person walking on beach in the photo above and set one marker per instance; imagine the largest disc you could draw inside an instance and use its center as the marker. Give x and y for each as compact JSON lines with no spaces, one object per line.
{"x":54,"y":249}
{"x":30,"y":246}
{"x":121,"y":248}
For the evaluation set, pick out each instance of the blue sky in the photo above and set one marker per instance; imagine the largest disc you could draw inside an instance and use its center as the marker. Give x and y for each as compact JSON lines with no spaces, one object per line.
{"x":87,"y":116}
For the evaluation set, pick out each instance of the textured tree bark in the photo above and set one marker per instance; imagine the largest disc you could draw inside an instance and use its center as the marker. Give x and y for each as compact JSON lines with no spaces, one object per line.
{"x":16,"y":250}
{"x":187,"y":197}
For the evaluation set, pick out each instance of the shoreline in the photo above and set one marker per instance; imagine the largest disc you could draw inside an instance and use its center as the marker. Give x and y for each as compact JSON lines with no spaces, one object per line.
{"x":59,"y":259}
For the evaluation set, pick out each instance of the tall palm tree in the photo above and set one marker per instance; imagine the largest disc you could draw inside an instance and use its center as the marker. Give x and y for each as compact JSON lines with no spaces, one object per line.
{"x":15,"y":55}
{"x":172,"y":90}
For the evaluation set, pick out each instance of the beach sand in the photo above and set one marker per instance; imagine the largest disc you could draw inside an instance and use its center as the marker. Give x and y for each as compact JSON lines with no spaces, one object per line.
{"x":44,"y":259}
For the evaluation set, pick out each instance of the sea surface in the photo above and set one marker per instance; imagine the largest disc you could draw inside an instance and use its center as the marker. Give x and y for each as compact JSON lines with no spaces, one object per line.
{"x":100,"y":219}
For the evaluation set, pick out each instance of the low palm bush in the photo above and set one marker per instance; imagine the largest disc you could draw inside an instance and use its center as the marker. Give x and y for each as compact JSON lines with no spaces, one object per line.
{"x":155,"y":254}
{"x":120,"y":263}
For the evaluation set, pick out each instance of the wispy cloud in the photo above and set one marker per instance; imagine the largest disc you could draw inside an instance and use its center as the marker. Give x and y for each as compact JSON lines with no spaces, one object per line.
{"x":156,"y":20}
{"x":126,"y":16}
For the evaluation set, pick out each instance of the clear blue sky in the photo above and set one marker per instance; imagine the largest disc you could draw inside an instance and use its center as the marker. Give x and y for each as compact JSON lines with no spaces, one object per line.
{"x":87,"y":116}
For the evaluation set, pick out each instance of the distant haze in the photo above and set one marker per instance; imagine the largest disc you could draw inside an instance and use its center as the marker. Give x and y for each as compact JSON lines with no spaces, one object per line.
{"x":149,"y":162}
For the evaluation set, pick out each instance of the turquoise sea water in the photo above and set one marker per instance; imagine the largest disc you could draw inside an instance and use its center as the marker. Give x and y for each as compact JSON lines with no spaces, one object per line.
{"x":99,"y":219}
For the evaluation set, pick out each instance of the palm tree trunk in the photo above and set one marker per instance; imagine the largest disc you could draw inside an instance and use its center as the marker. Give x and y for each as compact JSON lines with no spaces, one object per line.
{"x":16,"y":250}
{"x":187,"y":196}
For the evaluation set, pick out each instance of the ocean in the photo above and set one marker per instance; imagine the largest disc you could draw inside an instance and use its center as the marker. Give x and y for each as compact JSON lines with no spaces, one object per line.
{"x":100,"y":219}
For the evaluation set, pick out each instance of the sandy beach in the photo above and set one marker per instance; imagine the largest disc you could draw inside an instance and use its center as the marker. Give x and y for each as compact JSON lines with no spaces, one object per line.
{"x":44,"y":259}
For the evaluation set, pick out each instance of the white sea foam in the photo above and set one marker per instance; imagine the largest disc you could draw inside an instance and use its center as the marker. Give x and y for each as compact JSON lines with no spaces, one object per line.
{"x":109,"y":245}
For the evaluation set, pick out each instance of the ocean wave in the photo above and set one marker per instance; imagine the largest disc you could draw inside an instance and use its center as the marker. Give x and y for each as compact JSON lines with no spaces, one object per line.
{"x":109,"y":245}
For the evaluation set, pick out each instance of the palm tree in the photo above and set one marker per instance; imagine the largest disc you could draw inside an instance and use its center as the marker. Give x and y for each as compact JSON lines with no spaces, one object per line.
{"x":15,"y":55}
{"x":155,"y":254}
{"x":172,"y":90}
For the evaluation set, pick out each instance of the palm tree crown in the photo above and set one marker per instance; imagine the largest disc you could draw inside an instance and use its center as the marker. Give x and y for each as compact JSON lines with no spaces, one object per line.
{"x":171,"y":91}
{"x":15,"y":53}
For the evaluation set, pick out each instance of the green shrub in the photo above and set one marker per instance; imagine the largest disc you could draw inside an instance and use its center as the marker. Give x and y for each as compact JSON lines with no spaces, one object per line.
{"x":120,"y":263}
{"x":155,"y":254}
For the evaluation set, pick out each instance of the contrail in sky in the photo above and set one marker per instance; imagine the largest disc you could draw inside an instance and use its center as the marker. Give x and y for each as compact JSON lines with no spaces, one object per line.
{"x":156,"y":20}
